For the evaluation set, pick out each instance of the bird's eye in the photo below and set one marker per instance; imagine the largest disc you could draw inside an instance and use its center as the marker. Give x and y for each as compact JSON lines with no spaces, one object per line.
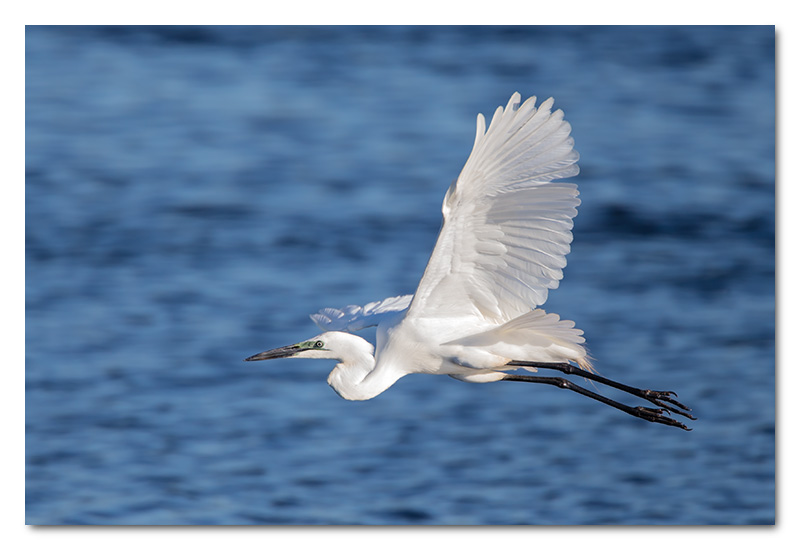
{"x":318,"y":344}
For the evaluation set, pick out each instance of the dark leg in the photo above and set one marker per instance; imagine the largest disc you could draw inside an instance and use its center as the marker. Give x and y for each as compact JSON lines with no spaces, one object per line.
{"x":658,"y":398}
{"x":651,"y":415}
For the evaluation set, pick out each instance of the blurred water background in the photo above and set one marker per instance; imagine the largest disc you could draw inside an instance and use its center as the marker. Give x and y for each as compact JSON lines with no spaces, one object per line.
{"x":193,"y":194}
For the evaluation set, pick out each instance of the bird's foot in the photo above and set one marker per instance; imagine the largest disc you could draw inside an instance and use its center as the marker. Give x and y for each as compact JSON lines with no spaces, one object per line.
{"x":659,"y":416}
{"x":665,"y":401}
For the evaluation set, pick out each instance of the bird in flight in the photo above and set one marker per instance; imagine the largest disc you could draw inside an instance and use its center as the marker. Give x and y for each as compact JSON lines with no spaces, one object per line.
{"x":476,"y":313}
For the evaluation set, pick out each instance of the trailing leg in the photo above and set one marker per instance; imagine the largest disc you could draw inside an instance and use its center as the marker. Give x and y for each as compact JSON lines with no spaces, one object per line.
{"x":651,"y":415}
{"x":663,"y":399}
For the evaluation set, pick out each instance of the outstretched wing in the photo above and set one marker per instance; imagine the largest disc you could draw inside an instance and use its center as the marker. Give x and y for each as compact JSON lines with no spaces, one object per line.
{"x":507,"y":224}
{"x":353,"y":318}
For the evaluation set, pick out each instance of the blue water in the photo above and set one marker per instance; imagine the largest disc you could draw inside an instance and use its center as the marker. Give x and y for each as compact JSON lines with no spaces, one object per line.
{"x":193,"y":194}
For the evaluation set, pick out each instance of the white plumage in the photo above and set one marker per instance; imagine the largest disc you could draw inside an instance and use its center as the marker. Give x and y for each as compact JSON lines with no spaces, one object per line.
{"x":506,"y":232}
{"x":507,"y":226}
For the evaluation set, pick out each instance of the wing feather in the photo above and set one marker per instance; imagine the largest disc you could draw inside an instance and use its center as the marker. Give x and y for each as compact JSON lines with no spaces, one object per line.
{"x":353,"y":318}
{"x":507,"y":225}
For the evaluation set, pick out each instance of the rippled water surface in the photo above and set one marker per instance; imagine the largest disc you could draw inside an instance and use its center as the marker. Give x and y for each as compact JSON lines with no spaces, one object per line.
{"x":193,"y":194}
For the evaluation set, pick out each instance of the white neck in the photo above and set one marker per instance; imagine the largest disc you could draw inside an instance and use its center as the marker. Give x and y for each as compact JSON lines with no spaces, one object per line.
{"x":355,"y":377}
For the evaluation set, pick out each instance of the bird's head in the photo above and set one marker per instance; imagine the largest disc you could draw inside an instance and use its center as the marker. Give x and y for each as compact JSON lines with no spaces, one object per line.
{"x":328,"y":345}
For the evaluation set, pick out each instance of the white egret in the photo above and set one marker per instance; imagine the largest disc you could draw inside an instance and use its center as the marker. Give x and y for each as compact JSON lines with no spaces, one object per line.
{"x":475,"y":315}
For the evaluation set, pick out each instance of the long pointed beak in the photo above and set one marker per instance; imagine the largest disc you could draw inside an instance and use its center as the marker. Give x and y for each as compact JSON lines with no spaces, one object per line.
{"x":277,"y":353}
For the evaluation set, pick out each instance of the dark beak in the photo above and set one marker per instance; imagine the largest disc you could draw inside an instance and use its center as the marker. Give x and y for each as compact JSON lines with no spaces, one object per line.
{"x":277,"y":353}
